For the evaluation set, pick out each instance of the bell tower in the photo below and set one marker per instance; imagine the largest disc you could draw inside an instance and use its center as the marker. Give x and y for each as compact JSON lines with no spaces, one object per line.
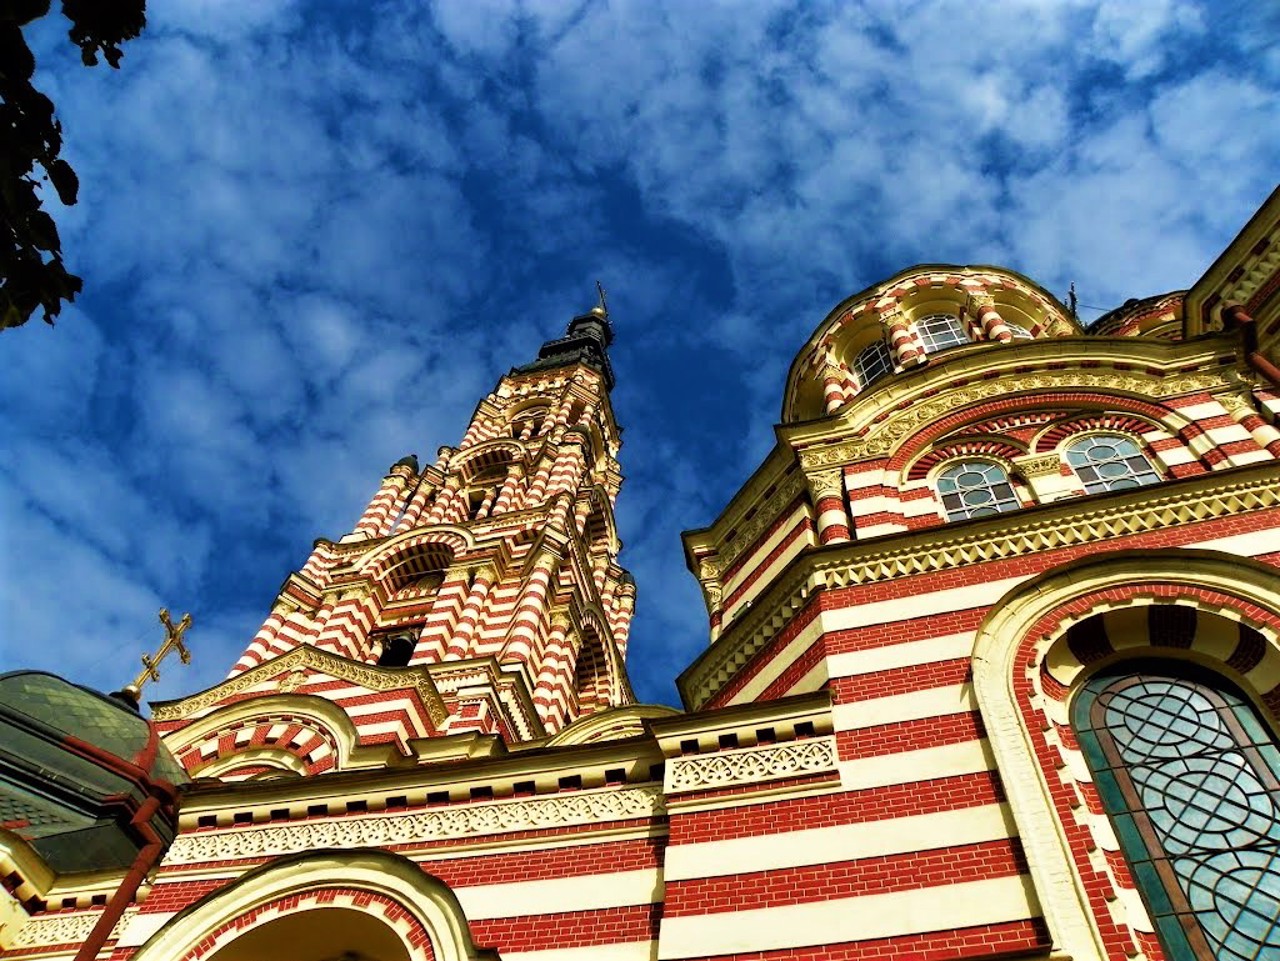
{"x":478,"y":594}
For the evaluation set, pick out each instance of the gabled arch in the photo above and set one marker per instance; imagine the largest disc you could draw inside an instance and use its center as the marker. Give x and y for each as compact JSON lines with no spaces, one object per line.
{"x":497,"y":451}
{"x":413,"y":552}
{"x":413,"y":904}
{"x":974,"y":445}
{"x":1027,"y":662}
{"x":914,"y":443}
{"x":215,"y":743}
{"x":613,"y":724}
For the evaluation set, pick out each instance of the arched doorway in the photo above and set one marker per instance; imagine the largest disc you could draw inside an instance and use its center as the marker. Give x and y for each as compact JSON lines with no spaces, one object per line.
{"x":319,"y":934}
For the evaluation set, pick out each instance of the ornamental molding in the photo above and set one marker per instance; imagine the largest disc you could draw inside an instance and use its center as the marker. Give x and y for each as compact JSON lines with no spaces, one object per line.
{"x":827,"y":483}
{"x":65,"y":929}
{"x":859,"y":563}
{"x":1040,"y":465}
{"x":752,"y":765}
{"x":883,"y":439}
{"x":787,"y":491}
{"x":466,"y":820}
{"x":302,"y":658}
{"x":980,"y":301}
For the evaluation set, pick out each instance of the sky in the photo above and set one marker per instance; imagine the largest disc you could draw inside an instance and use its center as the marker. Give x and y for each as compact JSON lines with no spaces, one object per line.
{"x":313,"y":235}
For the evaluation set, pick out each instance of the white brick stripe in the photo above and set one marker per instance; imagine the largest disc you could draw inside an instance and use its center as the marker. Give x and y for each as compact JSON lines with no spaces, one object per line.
{"x":899,"y":913}
{"x":588,"y":892}
{"x":910,"y":706}
{"x":909,"y":767}
{"x":845,"y":842}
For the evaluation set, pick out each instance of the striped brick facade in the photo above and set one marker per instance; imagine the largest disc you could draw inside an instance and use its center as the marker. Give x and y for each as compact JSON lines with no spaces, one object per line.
{"x":876,"y":757}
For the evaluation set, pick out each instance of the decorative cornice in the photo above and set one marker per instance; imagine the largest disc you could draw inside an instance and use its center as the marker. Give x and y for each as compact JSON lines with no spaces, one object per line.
{"x":46,"y":930}
{"x":882,"y":439}
{"x":1062,"y":524}
{"x":464,"y":820}
{"x":826,"y":483}
{"x":752,"y":765}
{"x":300,"y":658}
{"x":747,"y":532}
{"x":1039,"y":465}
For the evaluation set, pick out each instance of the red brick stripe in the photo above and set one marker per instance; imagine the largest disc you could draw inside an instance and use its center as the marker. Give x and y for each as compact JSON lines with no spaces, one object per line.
{"x":841,"y":879}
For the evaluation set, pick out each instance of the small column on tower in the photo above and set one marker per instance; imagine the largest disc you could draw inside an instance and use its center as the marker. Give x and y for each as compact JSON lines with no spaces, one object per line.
{"x":386,"y":503}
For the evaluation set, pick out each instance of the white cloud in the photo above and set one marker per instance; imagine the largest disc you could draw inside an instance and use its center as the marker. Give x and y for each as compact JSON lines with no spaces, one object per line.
{"x":313,"y":236}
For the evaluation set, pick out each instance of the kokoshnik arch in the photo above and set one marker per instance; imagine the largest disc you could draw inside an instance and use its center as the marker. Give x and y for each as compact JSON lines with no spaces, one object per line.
{"x":994,"y":668}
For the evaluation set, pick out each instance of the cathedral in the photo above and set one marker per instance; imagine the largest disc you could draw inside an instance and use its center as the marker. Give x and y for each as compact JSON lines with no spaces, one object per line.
{"x":993,"y":671}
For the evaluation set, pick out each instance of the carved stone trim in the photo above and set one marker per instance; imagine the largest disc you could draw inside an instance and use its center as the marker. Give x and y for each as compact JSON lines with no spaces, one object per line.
{"x":946,"y":551}
{"x":827,"y":483}
{"x":752,"y":765}
{"x":464,"y":820}
{"x":768,"y":512}
{"x":306,"y":656}
{"x":1039,"y":465}
{"x":882,"y":439}
{"x":64,"y":929}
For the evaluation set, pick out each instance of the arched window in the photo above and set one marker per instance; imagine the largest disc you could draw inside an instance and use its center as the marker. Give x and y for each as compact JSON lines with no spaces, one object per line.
{"x":1018,"y":331}
{"x":940,"y":331}
{"x":1191,"y":781}
{"x":975,"y":488}
{"x":1110,"y":462}
{"x":872,"y":363}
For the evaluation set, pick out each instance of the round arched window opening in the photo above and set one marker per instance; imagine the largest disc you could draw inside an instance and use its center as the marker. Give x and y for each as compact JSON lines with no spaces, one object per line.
{"x":940,"y":331}
{"x":1190,"y":778}
{"x":1110,"y":462}
{"x":975,"y":488}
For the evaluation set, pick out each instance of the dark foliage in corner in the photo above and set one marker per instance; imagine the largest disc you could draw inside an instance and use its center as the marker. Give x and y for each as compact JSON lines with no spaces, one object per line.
{"x":31,"y":271}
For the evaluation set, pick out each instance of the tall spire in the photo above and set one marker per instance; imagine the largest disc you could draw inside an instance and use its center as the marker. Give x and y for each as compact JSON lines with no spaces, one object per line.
{"x":586,"y":341}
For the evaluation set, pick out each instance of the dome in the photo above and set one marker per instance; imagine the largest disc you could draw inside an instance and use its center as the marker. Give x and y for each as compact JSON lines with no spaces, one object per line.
{"x":76,"y":767}
{"x":904,"y":322}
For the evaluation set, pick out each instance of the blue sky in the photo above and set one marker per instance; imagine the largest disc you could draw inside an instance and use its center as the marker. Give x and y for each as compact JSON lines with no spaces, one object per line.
{"x":314,"y":234}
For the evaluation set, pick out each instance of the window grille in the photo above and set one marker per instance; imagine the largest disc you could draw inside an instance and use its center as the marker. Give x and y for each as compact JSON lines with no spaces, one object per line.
{"x":1110,"y":462}
{"x":872,"y":363}
{"x":940,"y":331}
{"x":1191,"y":781}
{"x":975,"y":488}
{"x":1019,"y":332}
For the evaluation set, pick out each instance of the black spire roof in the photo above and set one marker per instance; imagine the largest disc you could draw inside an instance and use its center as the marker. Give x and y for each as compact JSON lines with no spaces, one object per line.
{"x":585,"y":342}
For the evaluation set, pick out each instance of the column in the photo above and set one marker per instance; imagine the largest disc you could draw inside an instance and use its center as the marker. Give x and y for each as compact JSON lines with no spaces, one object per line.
{"x":827,"y":489}
{"x":906,"y":348}
{"x":555,"y":677}
{"x":451,"y":598}
{"x":378,"y":514}
{"x":982,"y":308}
{"x":472,"y":611}
{"x":531,"y":611}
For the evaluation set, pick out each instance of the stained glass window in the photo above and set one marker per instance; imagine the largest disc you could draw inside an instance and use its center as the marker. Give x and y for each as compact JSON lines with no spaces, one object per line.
{"x":872,"y":363}
{"x":1191,"y":781}
{"x":975,"y":488}
{"x":940,"y":331}
{"x":1110,"y":462}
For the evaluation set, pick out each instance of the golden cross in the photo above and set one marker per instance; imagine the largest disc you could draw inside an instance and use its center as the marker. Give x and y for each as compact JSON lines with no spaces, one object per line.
{"x":172,"y":642}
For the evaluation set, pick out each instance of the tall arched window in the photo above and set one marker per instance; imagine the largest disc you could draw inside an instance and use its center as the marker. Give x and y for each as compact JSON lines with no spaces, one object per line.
{"x":1110,"y":462}
{"x":872,"y":363}
{"x":1191,"y":781}
{"x":975,"y":488}
{"x":940,"y":331}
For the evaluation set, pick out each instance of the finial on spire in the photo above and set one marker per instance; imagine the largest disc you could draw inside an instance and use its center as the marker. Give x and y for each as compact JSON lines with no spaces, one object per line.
{"x":603,"y":307}
{"x":150,"y":664}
